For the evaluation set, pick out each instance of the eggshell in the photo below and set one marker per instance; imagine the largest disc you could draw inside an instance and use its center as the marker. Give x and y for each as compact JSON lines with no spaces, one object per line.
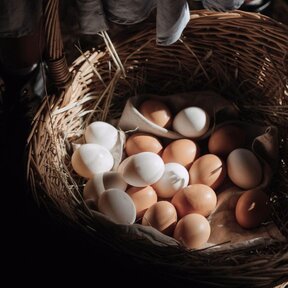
{"x":182,"y":151}
{"x":156,"y":112}
{"x":142,"y":142}
{"x":142,"y":169}
{"x":101,"y":133}
{"x":162,"y":216}
{"x":192,"y":231}
{"x":90,"y":159}
{"x":100,"y":182}
{"x":252,"y":208}
{"x":174,"y":178}
{"x":113,"y":179}
{"x":197,"y":198}
{"x":225,"y":139}
{"x":122,"y":165}
{"x":143,"y":198}
{"x":118,"y":206}
{"x":208,"y":169}
{"x":244,"y":168}
{"x":91,"y":204}
{"x":191,"y":122}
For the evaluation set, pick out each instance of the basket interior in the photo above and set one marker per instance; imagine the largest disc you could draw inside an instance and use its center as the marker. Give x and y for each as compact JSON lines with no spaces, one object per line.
{"x":242,"y":56}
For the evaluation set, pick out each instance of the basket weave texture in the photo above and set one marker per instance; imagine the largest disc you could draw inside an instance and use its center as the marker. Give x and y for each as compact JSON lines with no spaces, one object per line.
{"x":241,"y":55}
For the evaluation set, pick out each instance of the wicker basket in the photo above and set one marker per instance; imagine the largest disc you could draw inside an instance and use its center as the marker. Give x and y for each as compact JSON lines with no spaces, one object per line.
{"x":280,"y":10}
{"x":241,"y":55}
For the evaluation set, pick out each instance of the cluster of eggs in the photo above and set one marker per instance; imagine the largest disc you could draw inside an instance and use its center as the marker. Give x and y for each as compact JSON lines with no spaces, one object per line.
{"x":171,"y":187}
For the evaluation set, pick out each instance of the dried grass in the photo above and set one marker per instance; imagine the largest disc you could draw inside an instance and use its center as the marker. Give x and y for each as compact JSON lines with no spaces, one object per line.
{"x":241,"y":55}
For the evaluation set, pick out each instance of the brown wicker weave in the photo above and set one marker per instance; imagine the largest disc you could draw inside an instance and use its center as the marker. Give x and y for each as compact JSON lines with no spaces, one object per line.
{"x":243,"y":56}
{"x":280,"y":11}
{"x":54,"y":52}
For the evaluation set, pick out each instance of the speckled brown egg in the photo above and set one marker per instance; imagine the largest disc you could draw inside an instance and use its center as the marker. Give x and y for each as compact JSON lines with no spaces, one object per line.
{"x":208,"y":169}
{"x":252,"y":208}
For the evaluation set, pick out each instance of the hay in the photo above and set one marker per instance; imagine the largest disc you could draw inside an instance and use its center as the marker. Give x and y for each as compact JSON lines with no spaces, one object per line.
{"x":243,"y":56}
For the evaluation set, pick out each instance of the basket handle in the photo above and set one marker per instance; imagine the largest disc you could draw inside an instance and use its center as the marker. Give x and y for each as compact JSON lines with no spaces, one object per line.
{"x":54,"y":49}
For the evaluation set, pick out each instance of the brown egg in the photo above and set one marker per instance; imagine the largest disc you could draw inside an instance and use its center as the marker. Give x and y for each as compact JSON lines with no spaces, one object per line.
{"x":192,"y":231}
{"x":143,"y":198}
{"x":244,"y":168}
{"x":225,"y":139}
{"x":252,"y":208}
{"x":142,"y":142}
{"x":196,"y":198}
{"x":162,"y":216}
{"x":157,"y":112}
{"x":182,"y":151}
{"x":209,"y":169}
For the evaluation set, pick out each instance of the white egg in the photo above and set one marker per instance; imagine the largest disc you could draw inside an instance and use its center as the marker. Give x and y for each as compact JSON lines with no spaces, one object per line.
{"x":191,"y":122}
{"x":90,"y":159}
{"x":100,"y":182}
{"x":174,"y":178}
{"x":122,"y":165}
{"x":101,"y":133}
{"x":117,"y":205}
{"x":142,"y":169}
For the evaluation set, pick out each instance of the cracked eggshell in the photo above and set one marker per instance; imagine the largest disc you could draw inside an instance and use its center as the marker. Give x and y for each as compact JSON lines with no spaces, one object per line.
{"x":100,"y":182}
{"x":142,"y":169}
{"x":118,"y":206}
{"x":174,"y":178}
{"x":90,"y":159}
{"x":101,"y":133}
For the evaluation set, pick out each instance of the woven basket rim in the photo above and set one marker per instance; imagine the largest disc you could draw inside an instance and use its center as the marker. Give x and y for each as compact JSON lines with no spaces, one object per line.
{"x":277,"y":250}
